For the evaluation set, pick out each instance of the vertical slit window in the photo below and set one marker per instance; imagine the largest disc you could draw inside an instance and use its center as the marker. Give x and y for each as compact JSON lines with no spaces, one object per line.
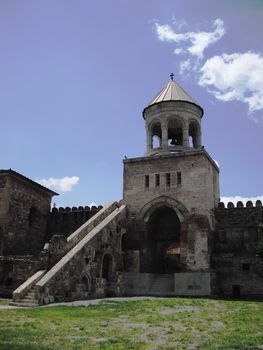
{"x":146,"y":181}
{"x":168,"y":179}
{"x":157,"y":180}
{"x":179,"y":178}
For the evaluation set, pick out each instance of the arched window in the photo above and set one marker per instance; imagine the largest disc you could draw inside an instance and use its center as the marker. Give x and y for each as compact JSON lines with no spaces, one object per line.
{"x":107,"y":266}
{"x":175,"y":132}
{"x":156,"y":135}
{"x":193,"y":134}
{"x":32,"y":216}
{"x":124,"y":242}
{"x":86,"y":283}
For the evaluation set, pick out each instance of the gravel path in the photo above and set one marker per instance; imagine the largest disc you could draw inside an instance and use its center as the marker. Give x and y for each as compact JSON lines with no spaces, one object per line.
{"x":79,"y":302}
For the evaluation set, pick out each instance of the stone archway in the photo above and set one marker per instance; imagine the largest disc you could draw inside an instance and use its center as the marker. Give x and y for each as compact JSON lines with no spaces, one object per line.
{"x":163,"y":241}
{"x":158,"y":202}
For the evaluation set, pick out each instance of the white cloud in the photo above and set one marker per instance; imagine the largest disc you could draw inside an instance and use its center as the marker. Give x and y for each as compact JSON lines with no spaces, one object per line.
{"x":178,"y":51}
{"x":185,"y":66}
{"x":180,"y":24}
{"x":236,"y":76}
{"x":194,"y":42}
{"x":235,"y":199}
{"x":64,"y":184}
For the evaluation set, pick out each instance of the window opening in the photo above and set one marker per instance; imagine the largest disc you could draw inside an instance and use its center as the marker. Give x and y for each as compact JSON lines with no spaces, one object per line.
{"x":107,"y":266}
{"x":156,"y":135}
{"x":156,"y":141}
{"x":179,"y":178}
{"x":157,"y":180}
{"x":175,"y":133}
{"x":168,"y":179}
{"x":146,"y":181}
{"x":32,"y":217}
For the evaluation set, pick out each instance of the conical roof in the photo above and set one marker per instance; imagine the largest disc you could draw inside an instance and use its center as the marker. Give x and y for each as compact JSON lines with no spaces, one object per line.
{"x":172,"y":92}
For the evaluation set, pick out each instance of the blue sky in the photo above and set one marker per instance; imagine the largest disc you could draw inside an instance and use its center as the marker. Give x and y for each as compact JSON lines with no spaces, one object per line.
{"x":76,"y":75}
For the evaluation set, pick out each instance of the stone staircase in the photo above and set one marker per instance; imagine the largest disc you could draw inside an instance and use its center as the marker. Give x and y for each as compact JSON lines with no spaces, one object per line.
{"x":28,"y":300}
{"x":45,"y":286}
{"x":24,"y":295}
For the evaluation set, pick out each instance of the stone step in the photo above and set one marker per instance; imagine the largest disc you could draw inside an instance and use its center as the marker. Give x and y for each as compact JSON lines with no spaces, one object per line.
{"x":28,"y":299}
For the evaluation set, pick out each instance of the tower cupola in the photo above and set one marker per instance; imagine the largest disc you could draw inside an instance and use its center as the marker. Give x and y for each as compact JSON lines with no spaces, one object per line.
{"x":172,"y":121}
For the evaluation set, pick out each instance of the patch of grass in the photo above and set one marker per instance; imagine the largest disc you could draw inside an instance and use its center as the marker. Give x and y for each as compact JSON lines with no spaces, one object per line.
{"x":170,"y":323}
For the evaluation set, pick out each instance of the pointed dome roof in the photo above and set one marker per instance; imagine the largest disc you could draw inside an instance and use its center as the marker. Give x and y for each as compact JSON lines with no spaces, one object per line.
{"x":172,"y":92}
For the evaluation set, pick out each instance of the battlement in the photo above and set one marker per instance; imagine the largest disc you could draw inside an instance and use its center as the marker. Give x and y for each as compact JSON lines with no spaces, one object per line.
{"x":248,"y":204}
{"x":76,"y":209}
{"x":64,"y":221}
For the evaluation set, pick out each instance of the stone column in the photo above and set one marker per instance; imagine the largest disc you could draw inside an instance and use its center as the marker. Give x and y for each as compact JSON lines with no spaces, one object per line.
{"x":164,"y":144}
{"x":199,"y":137}
{"x":186,"y":134}
{"x":149,"y":139}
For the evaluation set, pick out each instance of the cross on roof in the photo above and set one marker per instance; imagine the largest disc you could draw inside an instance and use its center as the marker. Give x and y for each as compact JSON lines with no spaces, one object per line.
{"x":172,"y":76}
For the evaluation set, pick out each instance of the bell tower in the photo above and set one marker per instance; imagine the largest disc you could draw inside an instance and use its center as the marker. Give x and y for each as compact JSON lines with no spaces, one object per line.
{"x":172,"y":121}
{"x":171,"y":192}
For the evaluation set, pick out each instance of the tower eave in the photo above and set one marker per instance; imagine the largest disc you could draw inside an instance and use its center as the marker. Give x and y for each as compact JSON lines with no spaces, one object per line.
{"x":165,"y":102}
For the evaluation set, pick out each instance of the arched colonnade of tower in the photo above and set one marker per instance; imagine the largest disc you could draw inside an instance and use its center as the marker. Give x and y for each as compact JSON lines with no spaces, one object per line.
{"x":173,"y":132}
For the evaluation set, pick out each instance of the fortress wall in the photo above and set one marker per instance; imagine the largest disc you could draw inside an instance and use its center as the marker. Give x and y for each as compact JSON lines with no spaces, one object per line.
{"x":64,"y":221}
{"x":238,"y":249}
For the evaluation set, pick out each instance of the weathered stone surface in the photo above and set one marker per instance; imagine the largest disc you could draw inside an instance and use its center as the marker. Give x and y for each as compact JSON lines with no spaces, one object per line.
{"x":193,"y":200}
{"x":194,"y":284}
{"x":90,"y":268}
{"x":169,"y":235}
{"x":238,"y":251}
{"x":62,"y":222}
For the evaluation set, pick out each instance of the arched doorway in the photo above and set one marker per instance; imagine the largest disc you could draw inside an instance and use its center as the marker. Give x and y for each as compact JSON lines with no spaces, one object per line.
{"x":163,"y":241}
{"x":107,"y":266}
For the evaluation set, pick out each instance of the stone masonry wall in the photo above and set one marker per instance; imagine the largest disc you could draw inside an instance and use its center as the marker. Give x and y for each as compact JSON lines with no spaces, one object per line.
{"x":64,"y":221}
{"x":24,"y":212}
{"x":187,"y":182}
{"x":90,"y":268}
{"x":238,"y":249}
{"x":14,"y":270}
{"x":193,"y":181}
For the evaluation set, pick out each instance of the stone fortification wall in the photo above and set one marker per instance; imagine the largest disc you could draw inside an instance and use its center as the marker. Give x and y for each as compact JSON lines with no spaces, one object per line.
{"x":64,"y":221}
{"x":238,"y":249}
{"x":59,"y":224}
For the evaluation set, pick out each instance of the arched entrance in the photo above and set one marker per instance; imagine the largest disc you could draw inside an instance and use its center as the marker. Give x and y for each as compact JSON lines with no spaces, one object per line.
{"x":163,"y":241}
{"x":107,"y":266}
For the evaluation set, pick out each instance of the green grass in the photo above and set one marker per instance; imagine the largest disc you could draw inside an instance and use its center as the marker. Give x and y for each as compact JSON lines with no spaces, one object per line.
{"x":170,"y":323}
